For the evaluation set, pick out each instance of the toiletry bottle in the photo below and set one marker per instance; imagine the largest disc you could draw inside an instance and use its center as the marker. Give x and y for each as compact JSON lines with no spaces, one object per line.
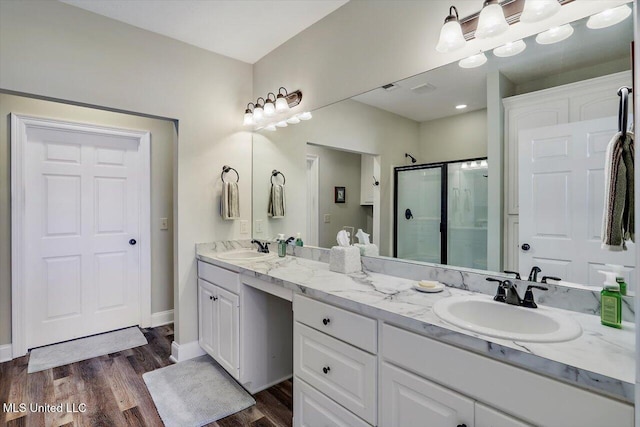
{"x":619,"y":270}
{"x":299,"y":240}
{"x":282,"y":246}
{"x":611,"y":301}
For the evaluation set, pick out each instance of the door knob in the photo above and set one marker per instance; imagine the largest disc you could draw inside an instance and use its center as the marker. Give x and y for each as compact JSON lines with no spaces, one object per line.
{"x":525,"y":247}
{"x":132,"y":242}
{"x":326,"y":321}
{"x":326,"y":369}
{"x":408,"y":214}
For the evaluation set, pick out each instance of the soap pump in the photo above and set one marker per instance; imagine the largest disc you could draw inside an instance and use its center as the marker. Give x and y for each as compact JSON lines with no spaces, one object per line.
{"x":619,"y":270}
{"x":611,"y":301}
{"x":282,"y":246}
{"x":299,"y":240}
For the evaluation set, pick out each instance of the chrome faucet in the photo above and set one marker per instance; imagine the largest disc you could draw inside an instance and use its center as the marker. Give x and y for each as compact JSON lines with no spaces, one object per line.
{"x":262,"y":247}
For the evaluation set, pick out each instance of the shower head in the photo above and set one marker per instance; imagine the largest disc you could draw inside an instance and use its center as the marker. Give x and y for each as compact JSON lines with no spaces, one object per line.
{"x":413,"y":159}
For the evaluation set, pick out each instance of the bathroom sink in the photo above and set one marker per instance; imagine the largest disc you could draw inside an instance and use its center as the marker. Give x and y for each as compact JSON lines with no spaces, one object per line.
{"x":245,"y":255}
{"x":483,"y":315}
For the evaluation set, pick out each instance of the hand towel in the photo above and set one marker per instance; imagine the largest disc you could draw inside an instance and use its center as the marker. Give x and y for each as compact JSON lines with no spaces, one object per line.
{"x":230,"y":201}
{"x":618,"y":223}
{"x":276,"y":207}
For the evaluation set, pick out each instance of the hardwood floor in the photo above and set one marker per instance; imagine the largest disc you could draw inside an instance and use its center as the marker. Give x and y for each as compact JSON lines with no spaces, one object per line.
{"x":114,"y":392}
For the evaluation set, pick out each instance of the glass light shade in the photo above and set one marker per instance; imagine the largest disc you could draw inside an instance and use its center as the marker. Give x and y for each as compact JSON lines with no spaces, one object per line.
{"x":248,"y":118}
{"x":451,"y":37}
{"x":484,"y":164}
{"x":555,"y":34}
{"x":258,"y":114}
{"x":473,"y":61}
{"x":491,"y":22}
{"x":281,"y":104}
{"x":269,"y":108}
{"x":282,"y":124}
{"x":305,"y":116}
{"x":293,"y":120}
{"x":609,"y":17}
{"x":537,"y":10}
{"x":510,"y":49}
{"x":270,"y":128}
{"x":464,"y":166}
{"x":461,"y":106}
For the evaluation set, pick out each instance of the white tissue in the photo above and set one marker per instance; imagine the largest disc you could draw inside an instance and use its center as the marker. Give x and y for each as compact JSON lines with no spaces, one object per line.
{"x":345,"y":259}
{"x":343,"y":238}
{"x":363,"y":238}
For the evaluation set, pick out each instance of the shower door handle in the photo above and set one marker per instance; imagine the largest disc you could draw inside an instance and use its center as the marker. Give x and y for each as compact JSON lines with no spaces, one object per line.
{"x":407,"y":214}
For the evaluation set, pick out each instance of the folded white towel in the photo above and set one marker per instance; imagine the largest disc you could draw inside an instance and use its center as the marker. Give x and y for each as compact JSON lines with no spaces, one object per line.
{"x":230,"y":201}
{"x":276,"y":207}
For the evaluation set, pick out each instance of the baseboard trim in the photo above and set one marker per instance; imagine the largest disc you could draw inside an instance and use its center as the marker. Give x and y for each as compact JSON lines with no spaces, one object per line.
{"x":186,"y":351}
{"x":161,"y":318}
{"x":6,"y":353}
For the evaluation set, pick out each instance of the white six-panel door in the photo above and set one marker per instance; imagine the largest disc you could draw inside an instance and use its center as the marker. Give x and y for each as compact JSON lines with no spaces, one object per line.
{"x":83,"y":201}
{"x":561,"y":201}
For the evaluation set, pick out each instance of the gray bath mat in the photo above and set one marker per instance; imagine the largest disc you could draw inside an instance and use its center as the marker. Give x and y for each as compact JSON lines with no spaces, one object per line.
{"x":55,"y":355}
{"x":195,"y":393}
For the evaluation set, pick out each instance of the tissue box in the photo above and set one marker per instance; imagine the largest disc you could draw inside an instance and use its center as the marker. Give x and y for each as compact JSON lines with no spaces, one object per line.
{"x":345,"y":259}
{"x":368,"y":250}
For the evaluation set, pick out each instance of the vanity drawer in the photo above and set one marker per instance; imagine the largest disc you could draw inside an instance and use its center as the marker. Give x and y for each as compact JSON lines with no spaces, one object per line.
{"x":313,"y":408}
{"x":219,"y":276}
{"x":342,"y":372}
{"x":350,"y":327}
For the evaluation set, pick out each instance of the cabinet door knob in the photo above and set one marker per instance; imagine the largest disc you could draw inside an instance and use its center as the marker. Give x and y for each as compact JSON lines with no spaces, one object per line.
{"x":461,"y":425}
{"x":326,"y":321}
{"x":326,"y":369}
{"x":210,"y":296}
{"x":525,"y":247}
{"x":213,"y":298}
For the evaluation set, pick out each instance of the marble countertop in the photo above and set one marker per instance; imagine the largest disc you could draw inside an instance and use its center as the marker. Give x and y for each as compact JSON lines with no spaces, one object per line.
{"x":601,"y":359}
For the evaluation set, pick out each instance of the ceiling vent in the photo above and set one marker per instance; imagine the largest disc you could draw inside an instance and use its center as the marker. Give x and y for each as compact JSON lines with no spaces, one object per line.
{"x":423,"y":88}
{"x":390,"y":87}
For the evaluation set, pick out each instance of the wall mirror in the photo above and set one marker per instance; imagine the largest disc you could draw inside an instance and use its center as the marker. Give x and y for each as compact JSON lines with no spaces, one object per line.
{"x":498,"y":167}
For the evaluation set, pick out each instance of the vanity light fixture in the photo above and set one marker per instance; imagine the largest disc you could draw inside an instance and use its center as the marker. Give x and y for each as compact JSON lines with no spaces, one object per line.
{"x":510,"y":49}
{"x":555,"y":34}
{"x":282,"y":124}
{"x":281,"y":101}
{"x":491,"y":22}
{"x":537,"y":10}
{"x":258,"y":111}
{"x":461,"y":106}
{"x":473,"y":61}
{"x":451,"y":37}
{"x":270,"y":128}
{"x":293,"y":120}
{"x":609,"y":17}
{"x":270,"y":106}
{"x":305,"y":116}
{"x":248,"y":115}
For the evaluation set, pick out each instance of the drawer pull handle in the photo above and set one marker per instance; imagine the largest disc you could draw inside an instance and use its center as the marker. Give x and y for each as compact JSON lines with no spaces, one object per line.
{"x":326,"y":369}
{"x":461,"y":425}
{"x":326,"y":321}
{"x":213,"y":298}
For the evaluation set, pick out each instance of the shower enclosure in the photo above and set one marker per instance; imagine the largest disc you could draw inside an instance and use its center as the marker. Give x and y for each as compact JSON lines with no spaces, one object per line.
{"x":440,"y":213}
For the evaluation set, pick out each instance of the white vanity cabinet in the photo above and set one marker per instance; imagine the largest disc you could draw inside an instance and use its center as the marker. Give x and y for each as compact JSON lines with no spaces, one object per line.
{"x":335,"y":366}
{"x":489,"y":417}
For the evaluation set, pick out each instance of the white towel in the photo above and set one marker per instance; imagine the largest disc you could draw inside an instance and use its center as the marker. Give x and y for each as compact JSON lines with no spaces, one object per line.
{"x":230,"y":201}
{"x":276,"y":207}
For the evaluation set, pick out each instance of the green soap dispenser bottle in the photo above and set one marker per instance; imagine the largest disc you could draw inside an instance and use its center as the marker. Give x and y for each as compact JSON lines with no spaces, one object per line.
{"x":299,"y":240}
{"x":611,"y":301}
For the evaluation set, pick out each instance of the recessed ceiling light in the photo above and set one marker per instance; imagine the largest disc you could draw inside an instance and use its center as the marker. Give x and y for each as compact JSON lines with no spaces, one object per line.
{"x":609,"y":17}
{"x":461,"y":106}
{"x":510,"y":49}
{"x":473,"y":61}
{"x":555,"y":34}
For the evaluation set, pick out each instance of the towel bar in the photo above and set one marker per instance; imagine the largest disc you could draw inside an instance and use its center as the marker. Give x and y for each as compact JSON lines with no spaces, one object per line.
{"x":275,"y":173}
{"x":226,"y":169}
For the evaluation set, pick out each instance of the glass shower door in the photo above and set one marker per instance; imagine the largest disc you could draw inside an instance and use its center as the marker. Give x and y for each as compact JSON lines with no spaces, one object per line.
{"x":418,"y":216}
{"x":467,"y":209}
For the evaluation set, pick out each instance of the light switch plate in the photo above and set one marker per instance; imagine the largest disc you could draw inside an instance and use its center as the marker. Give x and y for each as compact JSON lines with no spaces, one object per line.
{"x":164,"y":223}
{"x":259,"y":224}
{"x":244,"y":226}
{"x":327,"y":218}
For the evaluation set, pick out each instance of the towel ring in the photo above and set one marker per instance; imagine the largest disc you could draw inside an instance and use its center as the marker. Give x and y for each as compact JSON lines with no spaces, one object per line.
{"x":623,"y":110}
{"x":275,"y":173}
{"x":226,"y":169}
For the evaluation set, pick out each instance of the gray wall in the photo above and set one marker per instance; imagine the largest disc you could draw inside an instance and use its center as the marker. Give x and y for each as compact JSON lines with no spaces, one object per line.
{"x":59,"y":51}
{"x":162,"y":134}
{"x":463,"y":136}
{"x":338,"y":169}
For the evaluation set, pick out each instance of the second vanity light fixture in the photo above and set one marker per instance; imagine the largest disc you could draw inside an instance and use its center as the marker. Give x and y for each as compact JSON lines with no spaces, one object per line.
{"x":274,"y":111}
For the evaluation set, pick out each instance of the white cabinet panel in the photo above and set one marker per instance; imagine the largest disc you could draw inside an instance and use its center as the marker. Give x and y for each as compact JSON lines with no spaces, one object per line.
{"x":226,"y":279}
{"x":352,"y":328}
{"x":206,"y":294}
{"x":313,"y":409}
{"x":409,"y":400}
{"x":227,"y":330}
{"x":342,"y":372}
{"x":489,"y":417}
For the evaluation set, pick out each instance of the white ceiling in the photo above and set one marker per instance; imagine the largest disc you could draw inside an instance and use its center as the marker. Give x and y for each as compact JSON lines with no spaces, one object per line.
{"x":454,"y":85}
{"x":246,"y":30}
